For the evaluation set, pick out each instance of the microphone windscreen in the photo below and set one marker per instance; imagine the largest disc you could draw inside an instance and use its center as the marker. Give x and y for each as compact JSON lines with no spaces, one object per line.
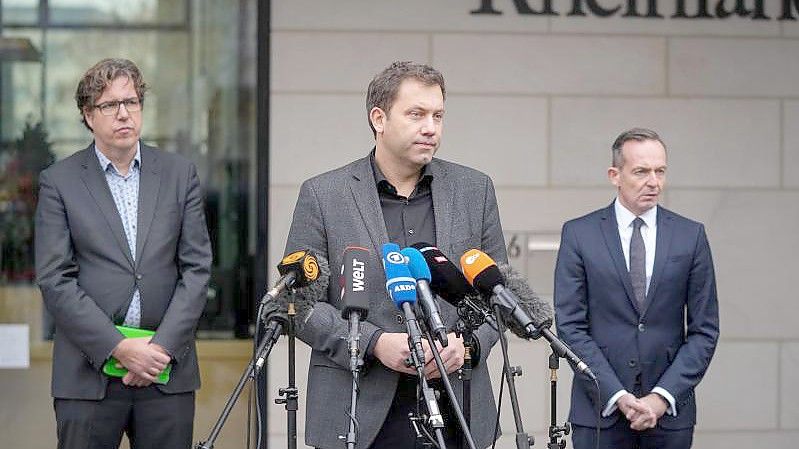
{"x":354,"y":295}
{"x":303,"y":263}
{"x":474,"y":262}
{"x":416,"y":264}
{"x":305,"y":297}
{"x":480,"y":270}
{"x":400,"y":284}
{"x":446,"y":280}
{"x":539,"y":310}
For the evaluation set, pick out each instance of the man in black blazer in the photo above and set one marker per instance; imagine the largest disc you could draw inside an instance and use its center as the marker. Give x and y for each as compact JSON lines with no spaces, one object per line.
{"x":121,"y":239}
{"x":635,"y":297}
{"x":398,"y":193}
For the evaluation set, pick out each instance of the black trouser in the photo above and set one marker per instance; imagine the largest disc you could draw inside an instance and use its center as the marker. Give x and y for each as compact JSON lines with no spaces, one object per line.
{"x":397,"y":431}
{"x":151,"y":419}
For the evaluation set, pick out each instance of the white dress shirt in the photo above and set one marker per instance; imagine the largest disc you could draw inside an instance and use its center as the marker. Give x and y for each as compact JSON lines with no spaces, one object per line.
{"x":624,"y":220}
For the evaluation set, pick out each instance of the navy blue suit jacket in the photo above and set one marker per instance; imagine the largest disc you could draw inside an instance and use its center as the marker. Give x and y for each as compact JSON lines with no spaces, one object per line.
{"x":667,"y":343}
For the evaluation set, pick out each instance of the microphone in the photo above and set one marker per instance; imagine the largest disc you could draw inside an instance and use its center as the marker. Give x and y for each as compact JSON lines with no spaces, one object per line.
{"x":354,"y":298}
{"x":401,"y":288}
{"x":446,"y":280}
{"x":297,"y":269}
{"x":353,"y":282}
{"x":419,"y":270}
{"x":300,"y":300}
{"x":527,"y":318}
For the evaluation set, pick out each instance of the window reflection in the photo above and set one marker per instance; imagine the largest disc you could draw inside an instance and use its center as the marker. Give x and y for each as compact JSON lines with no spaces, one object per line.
{"x":199,"y":63}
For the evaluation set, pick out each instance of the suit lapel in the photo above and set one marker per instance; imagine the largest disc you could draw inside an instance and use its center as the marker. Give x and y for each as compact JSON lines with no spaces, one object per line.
{"x":94,"y":179}
{"x":149,"y":185}
{"x":362,"y":185}
{"x":610,"y":231}
{"x":662,"y":248}
{"x":443,"y":199}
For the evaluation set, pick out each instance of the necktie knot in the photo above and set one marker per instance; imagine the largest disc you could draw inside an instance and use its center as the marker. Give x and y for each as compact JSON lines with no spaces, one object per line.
{"x":638,"y":222}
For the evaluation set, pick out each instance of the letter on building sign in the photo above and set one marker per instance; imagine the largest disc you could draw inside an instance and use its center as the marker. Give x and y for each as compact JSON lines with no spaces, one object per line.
{"x":700,"y":14}
{"x":594,"y":6}
{"x":522,"y":7}
{"x":741,"y":10}
{"x":787,"y":9}
{"x":651,"y":12}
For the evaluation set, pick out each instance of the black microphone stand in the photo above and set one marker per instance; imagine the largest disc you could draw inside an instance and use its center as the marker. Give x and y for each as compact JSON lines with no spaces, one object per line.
{"x":290,"y":392}
{"x":356,"y":363}
{"x":434,"y":417}
{"x":556,"y":432}
{"x":467,"y":433}
{"x":470,"y":317}
{"x":523,"y":440}
{"x":271,"y":335}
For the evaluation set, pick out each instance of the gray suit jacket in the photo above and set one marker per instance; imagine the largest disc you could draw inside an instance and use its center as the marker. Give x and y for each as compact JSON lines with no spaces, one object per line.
{"x":87,"y":275}
{"x":341,"y":208}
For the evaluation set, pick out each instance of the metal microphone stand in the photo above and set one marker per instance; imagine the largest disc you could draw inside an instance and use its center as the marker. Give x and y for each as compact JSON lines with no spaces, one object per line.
{"x":271,"y":336}
{"x":290,"y":392}
{"x":523,"y":440}
{"x":356,"y":363}
{"x":470,"y":317}
{"x":556,"y":432}
{"x":434,"y":417}
{"x":467,"y":434}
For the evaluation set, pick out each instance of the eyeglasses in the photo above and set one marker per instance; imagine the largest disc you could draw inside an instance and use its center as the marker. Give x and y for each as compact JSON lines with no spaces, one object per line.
{"x":112,"y":107}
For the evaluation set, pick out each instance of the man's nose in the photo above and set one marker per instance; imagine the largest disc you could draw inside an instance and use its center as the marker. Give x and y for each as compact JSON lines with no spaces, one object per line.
{"x":122,"y":111}
{"x":429,"y":126}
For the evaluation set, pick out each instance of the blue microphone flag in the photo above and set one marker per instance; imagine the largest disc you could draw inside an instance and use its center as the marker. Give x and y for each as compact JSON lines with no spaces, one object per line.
{"x":416,"y":264}
{"x":400,"y":284}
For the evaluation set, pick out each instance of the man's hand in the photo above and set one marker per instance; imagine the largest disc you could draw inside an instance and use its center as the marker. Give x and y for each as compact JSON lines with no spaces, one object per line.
{"x":132,"y":380}
{"x":452,"y":356}
{"x":633,"y":409}
{"x":392,"y":351}
{"x":657,"y":406}
{"x":141,"y":358}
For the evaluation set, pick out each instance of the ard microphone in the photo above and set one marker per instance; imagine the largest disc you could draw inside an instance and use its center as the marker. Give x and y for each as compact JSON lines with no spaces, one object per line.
{"x":419,"y":270}
{"x":297,"y":269}
{"x":484,"y":275}
{"x":400,"y":284}
{"x":401,"y":288}
{"x":354,"y":296}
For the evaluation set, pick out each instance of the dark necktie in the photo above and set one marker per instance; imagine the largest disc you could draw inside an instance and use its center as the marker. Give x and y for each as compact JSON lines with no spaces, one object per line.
{"x":638,"y":262}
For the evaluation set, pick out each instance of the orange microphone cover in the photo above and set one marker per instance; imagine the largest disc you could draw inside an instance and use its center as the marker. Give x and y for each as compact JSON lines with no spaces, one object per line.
{"x":474,"y":262}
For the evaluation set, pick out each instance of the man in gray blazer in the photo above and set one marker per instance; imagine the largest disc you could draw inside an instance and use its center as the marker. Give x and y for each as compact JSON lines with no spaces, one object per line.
{"x":121,"y":239}
{"x":398,"y":193}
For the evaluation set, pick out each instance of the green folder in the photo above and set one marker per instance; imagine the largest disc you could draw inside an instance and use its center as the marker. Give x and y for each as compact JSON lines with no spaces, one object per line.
{"x":113,"y":368}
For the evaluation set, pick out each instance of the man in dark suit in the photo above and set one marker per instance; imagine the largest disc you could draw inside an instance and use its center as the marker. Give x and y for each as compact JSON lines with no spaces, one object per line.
{"x":635,"y":297}
{"x":121,"y":239}
{"x":398,"y":193}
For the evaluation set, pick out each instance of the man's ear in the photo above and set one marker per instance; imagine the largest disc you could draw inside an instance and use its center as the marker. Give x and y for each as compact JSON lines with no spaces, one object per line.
{"x":378,"y":118}
{"x":613,"y":175}
{"x":88,"y":118}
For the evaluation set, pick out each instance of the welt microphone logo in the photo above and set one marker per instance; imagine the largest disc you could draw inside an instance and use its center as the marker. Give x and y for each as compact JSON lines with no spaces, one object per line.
{"x":358,"y":275}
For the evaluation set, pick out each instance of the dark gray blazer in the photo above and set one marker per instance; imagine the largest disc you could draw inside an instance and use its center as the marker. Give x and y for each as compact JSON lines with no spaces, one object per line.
{"x":668,"y":342}
{"x":87,"y":275}
{"x":341,"y":208}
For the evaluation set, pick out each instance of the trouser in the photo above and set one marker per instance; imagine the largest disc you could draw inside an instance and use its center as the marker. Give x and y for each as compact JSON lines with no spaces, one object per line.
{"x":150,"y":418}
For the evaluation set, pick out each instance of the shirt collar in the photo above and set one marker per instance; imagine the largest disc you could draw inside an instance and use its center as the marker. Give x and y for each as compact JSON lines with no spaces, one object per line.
{"x":104,"y":161}
{"x":624,"y":218}
{"x":380,"y":178}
